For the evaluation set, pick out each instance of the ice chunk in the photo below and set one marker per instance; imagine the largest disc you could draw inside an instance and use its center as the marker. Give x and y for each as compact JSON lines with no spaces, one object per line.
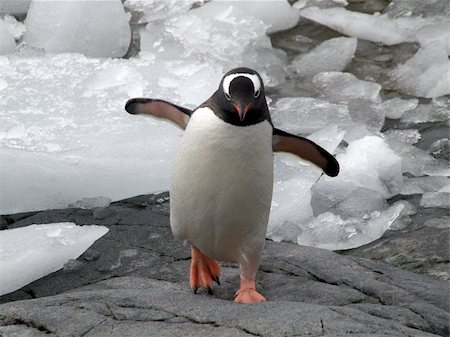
{"x":7,"y":43}
{"x":426,"y":74}
{"x":94,"y":28}
{"x":89,"y":203}
{"x":320,"y":3}
{"x":439,"y":148}
{"x":344,"y":87}
{"x":203,"y":36}
{"x":293,"y":180}
{"x":31,"y":252}
{"x":330,"y":231}
{"x":375,"y":28}
{"x":319,"y":60}
{"x":436,"y":199}
{"x":361,"y":202}
{"x":410,"y":136}
{"x":14,"y":7}
{"x":158,"y":9}
{"x":404,"y":218}
{"x":304,"y":115}
{"x":436,"y":111}
{"x":435,"y":33}
{"x":420,"y":185}
{"x":16,"y":28}
{"x":367,"y":163}
{"x":58,"y":146}
{"x":417,"y":161}
{"x":278,"y":15}
{"x":417,"y":8}
{"x":394,"y":108}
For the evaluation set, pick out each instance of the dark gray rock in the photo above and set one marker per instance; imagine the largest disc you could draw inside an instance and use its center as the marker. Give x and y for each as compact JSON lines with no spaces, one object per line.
{"x":134,"y":282}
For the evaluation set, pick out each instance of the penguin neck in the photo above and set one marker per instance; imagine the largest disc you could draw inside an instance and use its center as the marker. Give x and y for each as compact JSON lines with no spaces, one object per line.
{"x":254,"y":116}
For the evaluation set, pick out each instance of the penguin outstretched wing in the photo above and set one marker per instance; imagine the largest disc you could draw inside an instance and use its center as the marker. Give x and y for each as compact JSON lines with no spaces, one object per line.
{"x":305,"y":149}
{"x":160,"y":109}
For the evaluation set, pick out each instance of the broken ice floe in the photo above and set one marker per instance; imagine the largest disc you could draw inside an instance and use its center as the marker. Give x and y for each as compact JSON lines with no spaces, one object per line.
{"x":31,"y":252}
{"x":94,"y":28}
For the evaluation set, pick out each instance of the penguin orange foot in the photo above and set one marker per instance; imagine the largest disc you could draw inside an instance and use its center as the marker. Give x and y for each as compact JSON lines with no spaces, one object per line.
{"x":204,"y":270}
{"x":247,"y":292}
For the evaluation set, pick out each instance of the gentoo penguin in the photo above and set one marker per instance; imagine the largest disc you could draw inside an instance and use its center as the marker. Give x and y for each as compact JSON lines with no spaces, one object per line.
{"x":222,"y":180}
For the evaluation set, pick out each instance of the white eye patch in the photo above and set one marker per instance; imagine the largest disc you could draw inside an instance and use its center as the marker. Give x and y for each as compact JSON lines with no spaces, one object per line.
{"x":252,"y":77}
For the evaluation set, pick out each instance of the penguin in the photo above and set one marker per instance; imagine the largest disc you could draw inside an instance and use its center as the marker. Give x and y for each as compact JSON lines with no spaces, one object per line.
{"x":222,"y":179}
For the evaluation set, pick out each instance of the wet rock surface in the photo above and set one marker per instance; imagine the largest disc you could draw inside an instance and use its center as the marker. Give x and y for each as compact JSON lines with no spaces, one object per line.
{"x":134,"y":281}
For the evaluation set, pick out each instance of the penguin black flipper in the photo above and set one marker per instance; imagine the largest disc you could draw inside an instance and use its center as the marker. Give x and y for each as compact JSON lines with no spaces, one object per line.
{"x":160,"y":109}
{"x":305,"y":149}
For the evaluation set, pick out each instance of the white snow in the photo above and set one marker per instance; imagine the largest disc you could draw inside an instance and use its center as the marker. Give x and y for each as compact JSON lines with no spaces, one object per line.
{"x":93,"y":28}
{"x":319,"y":60}
{"x":15,"y":28}
{"x":29,"y":253}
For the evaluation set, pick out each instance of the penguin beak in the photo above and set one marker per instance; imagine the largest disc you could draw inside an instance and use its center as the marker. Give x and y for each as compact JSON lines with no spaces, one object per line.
{"x":242,"y":109}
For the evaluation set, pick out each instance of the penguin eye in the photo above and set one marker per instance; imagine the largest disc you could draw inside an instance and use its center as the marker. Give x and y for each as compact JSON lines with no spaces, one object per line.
{"x":257,"y":93}
{"x":227,"y":96}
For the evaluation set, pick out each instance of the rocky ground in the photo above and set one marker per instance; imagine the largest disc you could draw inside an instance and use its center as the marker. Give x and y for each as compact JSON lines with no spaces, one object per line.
{"x":134,"y":282}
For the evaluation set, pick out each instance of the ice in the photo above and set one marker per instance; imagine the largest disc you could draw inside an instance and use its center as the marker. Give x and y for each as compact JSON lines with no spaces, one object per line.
{"x":344,"y":87}
{"x":330,"y":231}
{"x":394,"y":108}
{"x":90,"y":203}
{"x":320,"y":3}
{"x":158,"y":9}
{"x":436,"y":111}
{"x":14,"y":7}
{"x":426,"y":74}
{"x":440,"y":149}
{"x":304,"y":115}
{"x":293,"y":180}
{"x":15,"y":28}
{"x":417,"y":161}
{"x":94,"y":28}
{"x":404,"y":218}
{"x":220,"y":34}
{"x":417,"y":8}
{"x":443,"y":222}
{"x":436,"y":199}
{"x":435,"y":33}
{"x":7,"y":42}
{"x":361,"y":97}
{"x":420,"y":185}
{"x":375,"y":28}
{"x":67,"y":135}
{"x":410,"y":136}
{"x":319,"y":60}
{"x":29,"y":253}
{"x":367,"y":163}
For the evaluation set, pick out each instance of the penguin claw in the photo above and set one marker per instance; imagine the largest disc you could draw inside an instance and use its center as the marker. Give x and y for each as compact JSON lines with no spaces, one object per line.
{"x":204,"y":270}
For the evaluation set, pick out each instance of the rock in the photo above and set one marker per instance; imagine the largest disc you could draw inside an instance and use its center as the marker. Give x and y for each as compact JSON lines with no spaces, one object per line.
{"x":135,"y":280}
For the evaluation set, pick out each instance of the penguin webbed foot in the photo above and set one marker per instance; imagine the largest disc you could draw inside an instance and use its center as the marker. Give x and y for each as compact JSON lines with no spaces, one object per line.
{"x":247,"y":293}
{"x":204,"y":271}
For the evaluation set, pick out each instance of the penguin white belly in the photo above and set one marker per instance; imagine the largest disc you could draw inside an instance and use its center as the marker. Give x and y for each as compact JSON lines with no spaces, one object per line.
{"x":221,"y":187}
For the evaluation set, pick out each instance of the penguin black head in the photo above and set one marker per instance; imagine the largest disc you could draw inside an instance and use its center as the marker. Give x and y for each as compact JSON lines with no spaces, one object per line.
{"x":240,"y":98}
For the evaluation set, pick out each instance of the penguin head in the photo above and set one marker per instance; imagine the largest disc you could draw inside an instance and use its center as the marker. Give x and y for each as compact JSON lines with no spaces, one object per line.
{"x":241,"y":97}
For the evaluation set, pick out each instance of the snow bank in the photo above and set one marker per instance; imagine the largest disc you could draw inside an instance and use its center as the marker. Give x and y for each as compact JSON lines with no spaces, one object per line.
{"x":29,"y":253}
{"x":93,"y":28}
{"x":14,"y":7}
